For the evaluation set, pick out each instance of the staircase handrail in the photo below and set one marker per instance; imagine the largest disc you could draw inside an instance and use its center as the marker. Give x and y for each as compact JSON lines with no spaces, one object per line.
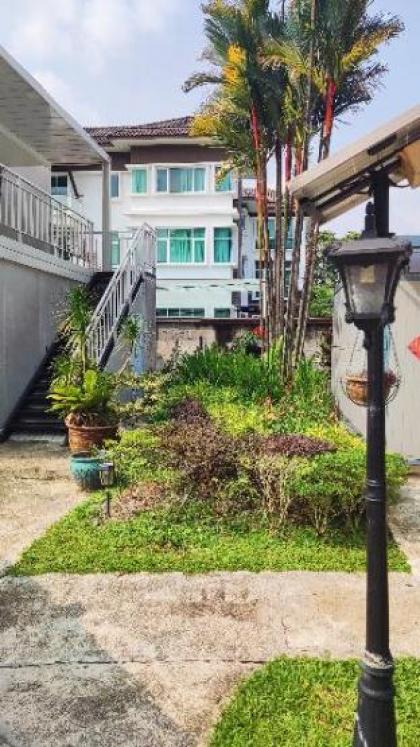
{"x":118,"y":294}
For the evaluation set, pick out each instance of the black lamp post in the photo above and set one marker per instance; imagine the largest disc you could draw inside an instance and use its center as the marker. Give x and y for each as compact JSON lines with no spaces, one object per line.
{"x":370,"y":270}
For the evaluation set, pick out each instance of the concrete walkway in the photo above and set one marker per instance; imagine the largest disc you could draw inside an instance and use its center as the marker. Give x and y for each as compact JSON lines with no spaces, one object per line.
{"x":35,"y":491}
{"x":149,"y":660}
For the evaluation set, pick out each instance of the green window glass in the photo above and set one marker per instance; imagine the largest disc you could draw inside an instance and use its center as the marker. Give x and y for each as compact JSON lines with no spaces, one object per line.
{"x":199,"y":180}
{"x":222,"y":245}
{"x":115,"y":185}
{"x":225,"y":183}
{"x":181,"y":180}
{"x":180,"y":246}
{"x":115,"y":249}
{"x":222,"y":313}
{"x":162,"y":244}
{"x":162,"y":180}
{"x":176,"y":313}
{"x":139,"y":181}
{"x":199,"y":237}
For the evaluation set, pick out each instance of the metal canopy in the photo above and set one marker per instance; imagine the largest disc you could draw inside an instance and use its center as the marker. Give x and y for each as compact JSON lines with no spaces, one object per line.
{"x":34,"y":127}
{"x":343,"y":180}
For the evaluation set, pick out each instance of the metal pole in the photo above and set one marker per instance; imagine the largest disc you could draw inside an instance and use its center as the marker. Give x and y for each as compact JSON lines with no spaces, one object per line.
{"x":375,"y":722}
{"x":106,"y":217}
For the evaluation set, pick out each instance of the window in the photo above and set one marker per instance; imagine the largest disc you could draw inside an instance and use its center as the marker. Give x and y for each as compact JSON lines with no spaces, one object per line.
{"x":177,"y":313}
{"x":59,"y":185}
{"x":115,"y":185}
{"x":225,"y":183}
{"x":178,"y":180}
{"x":181,"y":245}
{"x":222,"y":245}
{"x":139,"y":181}
{"x":115,"y":249}
{"x":222,"y":313}
{"x":272,"y":234}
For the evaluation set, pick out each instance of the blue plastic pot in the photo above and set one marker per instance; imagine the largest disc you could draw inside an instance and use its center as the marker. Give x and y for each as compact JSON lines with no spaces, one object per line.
{"x":85,"y":470}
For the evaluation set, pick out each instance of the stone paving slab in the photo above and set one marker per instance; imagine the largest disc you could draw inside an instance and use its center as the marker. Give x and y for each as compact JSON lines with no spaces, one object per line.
{"x":35,"y":491}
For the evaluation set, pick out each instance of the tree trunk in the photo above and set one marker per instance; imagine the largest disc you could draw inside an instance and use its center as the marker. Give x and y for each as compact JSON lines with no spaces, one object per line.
{"x":261,"y":216}
{"x":311,"y":251}
{"x":280,"y":252}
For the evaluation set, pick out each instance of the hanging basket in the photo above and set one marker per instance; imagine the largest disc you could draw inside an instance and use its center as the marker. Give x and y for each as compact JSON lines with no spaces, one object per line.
{"x":354,"y":380}
{"x":356,"y":387}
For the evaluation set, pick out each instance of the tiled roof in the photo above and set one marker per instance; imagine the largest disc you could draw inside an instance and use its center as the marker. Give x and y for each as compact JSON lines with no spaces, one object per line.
{"x":165,"y":128}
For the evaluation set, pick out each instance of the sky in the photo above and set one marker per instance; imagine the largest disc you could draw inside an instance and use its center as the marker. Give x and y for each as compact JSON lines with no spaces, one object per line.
{"x":124,"y":62}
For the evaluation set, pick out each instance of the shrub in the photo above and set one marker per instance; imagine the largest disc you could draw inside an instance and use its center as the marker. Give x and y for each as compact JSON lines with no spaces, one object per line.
{"x":253,"y":378}
{"x":189,"y":410}
{"x":270,"y":478}
{"x":294,"y":445}
{"x":138,"y":457}
{"x":206,"y":456}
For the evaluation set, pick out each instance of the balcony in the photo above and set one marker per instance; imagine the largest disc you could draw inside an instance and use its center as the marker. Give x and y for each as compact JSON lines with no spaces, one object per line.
{"x":34,"y":217}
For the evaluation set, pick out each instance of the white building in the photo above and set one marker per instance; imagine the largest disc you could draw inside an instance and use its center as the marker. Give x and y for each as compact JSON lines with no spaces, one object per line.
{"x":162,"y":175}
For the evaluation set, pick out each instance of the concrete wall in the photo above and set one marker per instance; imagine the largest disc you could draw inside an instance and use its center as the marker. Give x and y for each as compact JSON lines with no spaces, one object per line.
{"x":403,"y":414}
{"x":187,"y":335}
{"x":30,"y":300}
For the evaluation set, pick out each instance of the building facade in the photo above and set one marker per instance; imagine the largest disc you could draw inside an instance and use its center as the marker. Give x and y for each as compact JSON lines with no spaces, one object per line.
{"x":206,"y":235}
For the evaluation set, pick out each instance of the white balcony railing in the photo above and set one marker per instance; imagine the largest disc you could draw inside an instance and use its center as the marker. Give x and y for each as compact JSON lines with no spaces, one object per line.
{"x":33,"y":216}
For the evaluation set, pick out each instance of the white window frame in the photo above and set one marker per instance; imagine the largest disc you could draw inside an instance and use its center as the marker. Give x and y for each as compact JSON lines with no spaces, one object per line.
{"x":160,"y":166}
{"x":168,"y":246}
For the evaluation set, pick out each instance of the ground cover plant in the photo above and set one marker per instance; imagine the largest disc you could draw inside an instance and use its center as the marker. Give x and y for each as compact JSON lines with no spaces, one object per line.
{"x":310,"y":702}
{"x":226,"y":470}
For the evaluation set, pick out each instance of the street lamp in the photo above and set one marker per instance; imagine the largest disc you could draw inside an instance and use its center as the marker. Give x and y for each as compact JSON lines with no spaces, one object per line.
{"x":370,"y":270}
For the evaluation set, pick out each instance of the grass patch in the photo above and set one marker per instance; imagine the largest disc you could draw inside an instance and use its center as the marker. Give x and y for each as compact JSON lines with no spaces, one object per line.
{"x":189,"y":539}
{"x":293,"y":702}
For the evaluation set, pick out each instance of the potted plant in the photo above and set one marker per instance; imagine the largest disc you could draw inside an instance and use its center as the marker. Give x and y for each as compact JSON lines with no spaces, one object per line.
{"x":356,"y":386}
{"x":79,"y":391}
{"x":87,"y":404}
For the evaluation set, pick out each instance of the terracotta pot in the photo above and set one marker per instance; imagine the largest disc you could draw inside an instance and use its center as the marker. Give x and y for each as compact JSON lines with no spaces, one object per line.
{"x":87,"y":437}
{"x":357,"y":389}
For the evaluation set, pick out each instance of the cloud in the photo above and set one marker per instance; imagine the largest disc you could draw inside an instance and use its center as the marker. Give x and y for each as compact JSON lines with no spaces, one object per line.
{"x":90,"y":31}
{"x":64,"y":94}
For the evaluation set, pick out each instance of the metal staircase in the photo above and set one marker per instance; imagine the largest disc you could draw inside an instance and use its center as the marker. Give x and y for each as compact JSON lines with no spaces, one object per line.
{"x":113,"y":294}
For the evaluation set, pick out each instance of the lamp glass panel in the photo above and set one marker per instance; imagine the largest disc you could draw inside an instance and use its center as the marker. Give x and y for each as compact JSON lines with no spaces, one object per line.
{"x":366,"y":287}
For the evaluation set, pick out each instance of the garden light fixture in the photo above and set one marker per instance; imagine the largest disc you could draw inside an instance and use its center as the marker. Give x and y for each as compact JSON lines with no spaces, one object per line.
{"x":370,"y":270}
{"x":107,"y":477}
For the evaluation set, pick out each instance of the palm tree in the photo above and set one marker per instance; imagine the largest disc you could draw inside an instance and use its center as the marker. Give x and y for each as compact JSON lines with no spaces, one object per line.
{"x":236,"y":33}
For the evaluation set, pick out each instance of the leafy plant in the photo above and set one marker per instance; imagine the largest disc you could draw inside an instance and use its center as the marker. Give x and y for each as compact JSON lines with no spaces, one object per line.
{"x":76,"y":324}
{"x":89,"y":401}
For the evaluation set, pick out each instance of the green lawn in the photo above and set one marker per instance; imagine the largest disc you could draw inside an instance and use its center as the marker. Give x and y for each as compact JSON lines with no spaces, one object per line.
{"x":189,"y":540}
{"x":310,"y":703}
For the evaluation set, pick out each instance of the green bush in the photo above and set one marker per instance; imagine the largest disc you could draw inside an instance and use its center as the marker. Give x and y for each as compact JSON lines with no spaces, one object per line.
{"x":138,"y":457}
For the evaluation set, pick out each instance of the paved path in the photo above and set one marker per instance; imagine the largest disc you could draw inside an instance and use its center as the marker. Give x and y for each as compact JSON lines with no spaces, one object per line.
{"x":35,"y":491}
{"x":148,"y":660}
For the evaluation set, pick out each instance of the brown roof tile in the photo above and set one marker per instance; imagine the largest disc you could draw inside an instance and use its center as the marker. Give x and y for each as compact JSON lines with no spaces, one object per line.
{"x":179,"y":127}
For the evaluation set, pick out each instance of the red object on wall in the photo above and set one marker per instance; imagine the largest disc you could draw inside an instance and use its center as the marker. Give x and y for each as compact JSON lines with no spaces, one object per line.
{"x":414,"y":347}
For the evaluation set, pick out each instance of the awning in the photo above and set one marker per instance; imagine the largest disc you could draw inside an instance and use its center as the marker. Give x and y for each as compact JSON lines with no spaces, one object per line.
{"x":34,"y":129}
{"x":343,"y":180}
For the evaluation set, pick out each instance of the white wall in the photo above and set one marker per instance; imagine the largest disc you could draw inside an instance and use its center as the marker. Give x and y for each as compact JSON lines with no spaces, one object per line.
{"x":201,"y":210}
{"x":30,"y":301}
